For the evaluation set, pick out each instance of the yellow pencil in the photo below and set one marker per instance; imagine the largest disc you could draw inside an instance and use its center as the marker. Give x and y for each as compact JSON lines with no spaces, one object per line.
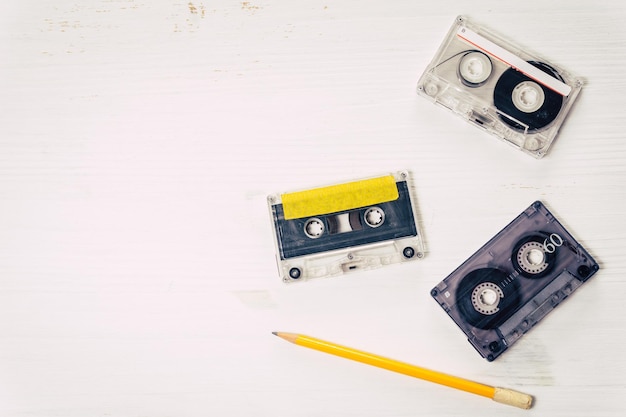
{"x":501,"y":395}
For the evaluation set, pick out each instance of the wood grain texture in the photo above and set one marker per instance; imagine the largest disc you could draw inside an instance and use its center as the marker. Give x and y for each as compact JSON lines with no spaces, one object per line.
{"x":139,"y":140}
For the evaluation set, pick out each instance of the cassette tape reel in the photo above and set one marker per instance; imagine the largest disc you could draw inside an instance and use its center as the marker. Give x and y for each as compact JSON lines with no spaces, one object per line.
{"x":499,"y":87}
{"x":514,"y":280}
{"x":346,"y":227}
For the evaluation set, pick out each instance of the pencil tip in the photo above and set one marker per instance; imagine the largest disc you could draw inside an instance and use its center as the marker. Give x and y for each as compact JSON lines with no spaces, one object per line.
{"x":275,"y":333}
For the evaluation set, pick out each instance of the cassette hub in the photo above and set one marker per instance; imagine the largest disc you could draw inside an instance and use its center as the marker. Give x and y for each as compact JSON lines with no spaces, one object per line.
{"x":474,"y":68}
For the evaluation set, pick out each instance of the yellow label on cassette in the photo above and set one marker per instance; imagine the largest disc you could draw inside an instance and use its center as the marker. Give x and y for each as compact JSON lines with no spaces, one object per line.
{"x":339,"y":197}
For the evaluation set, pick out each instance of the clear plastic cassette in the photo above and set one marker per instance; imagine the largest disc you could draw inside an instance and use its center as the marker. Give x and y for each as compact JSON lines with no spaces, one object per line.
{"x":514,"y":281}
{"x":345,"y":227}
{"x":500,"y":87}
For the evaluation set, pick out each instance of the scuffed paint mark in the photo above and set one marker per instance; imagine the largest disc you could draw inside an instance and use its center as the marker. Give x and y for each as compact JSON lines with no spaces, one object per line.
{"x":256,"y":299}
{"x":190,"y":20}
{"x":246,"y":5}
{"x":200,"y":9}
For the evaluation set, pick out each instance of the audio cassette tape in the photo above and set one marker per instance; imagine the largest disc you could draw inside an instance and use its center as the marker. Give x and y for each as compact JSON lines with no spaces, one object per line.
{"x":514,"y":281}
{"x":500,"y":87}
{"x":345,"y":227}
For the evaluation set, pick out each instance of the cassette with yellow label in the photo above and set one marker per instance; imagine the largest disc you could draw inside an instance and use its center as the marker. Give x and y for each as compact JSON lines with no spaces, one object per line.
{"x":345,"y":227}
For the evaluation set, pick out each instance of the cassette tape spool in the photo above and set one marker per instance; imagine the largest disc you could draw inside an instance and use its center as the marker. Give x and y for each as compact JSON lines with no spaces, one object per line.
{"x":514,"y":280}
{"x":499,"y":87}
{"x":345,"y":227}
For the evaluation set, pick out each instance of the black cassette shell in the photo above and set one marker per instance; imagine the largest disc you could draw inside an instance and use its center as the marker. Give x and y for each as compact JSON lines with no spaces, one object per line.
{"x":536,"y":120}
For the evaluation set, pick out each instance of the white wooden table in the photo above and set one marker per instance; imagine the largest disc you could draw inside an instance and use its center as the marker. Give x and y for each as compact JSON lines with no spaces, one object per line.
{"x":138,"y":143}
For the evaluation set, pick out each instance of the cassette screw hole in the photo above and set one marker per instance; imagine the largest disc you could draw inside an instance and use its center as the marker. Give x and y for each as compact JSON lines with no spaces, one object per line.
{"x":431,"y":89}
{"x":494,"y":346}
{"x":295,"y":273}
{"x":584,"y":271}
{"x":408,"y":252}
{"x":434,"y":292}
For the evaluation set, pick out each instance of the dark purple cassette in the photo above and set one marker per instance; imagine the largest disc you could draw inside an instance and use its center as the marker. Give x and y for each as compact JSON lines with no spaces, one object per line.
{"x":514,"y":280}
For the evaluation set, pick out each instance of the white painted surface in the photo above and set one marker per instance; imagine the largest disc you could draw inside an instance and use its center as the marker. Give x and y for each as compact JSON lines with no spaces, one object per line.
{"x":138,"y":141}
